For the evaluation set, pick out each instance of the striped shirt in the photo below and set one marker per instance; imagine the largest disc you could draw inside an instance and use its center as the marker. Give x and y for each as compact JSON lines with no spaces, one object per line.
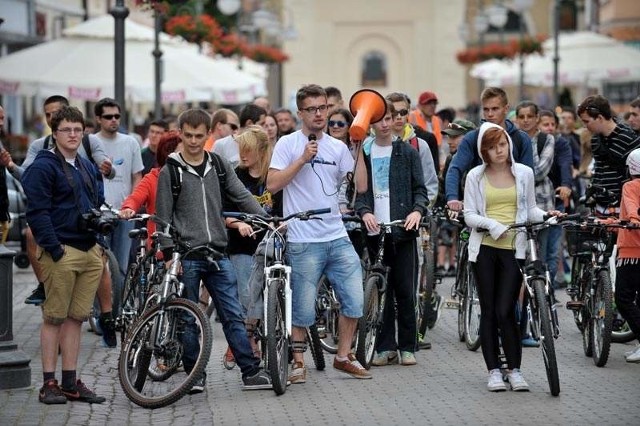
{"x":610,"y":155}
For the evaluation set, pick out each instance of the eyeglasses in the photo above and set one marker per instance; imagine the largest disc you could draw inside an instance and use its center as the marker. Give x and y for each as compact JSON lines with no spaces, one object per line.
{"x":403,"y":112}
{"x":233,"y":126}
{"x":591,"y":109}
{"x":70,"y":131}
{"x":314,"y":109}
{"x":111,"y":116}
{"x":340,"y":124}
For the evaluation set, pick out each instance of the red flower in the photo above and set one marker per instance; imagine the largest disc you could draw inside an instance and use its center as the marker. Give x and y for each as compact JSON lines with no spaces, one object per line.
{"x":196,"y":29}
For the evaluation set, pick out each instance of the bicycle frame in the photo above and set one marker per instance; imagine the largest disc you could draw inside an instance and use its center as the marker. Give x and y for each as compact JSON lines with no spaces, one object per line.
{"x":277,"y":269}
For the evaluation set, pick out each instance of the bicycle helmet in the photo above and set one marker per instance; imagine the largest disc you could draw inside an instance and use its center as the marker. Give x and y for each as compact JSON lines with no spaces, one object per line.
{"x":633,"y":162}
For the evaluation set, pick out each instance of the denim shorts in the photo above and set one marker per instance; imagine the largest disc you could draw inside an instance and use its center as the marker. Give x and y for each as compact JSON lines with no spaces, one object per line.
{"x":336,"y":259}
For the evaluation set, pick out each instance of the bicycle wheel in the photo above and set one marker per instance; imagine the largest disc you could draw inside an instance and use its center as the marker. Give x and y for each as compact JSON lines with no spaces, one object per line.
{"x":544,"y":329}
{"x":602,"y":318}
{"x":130,"y":301}
{"x":587,"y":326}
{"x":368,"y":323}
{"x":277,"y":339}
{"x":577,"y":269}
{"x":142,"y":350}
{"x":327,"y":313}
{"x":316,"y":348}
{"x":471,"y":313}
{"x":461,"y":291}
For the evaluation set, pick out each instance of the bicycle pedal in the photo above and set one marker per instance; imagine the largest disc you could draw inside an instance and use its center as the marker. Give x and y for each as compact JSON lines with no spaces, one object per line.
{"x":451,"y":304}
{"x":574,"y":305}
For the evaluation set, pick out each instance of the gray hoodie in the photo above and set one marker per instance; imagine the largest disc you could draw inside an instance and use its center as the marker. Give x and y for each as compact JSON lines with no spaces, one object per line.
{"x":197,"y":214}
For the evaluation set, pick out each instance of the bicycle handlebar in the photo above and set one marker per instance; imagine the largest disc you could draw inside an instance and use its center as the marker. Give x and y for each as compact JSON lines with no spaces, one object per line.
{"x":259,"y":219}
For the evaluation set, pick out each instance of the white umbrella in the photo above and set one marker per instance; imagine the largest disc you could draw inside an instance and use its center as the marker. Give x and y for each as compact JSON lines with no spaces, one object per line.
{"x":80,"y":65}
{"x":489,"y":69}
{"x":586,"y":58}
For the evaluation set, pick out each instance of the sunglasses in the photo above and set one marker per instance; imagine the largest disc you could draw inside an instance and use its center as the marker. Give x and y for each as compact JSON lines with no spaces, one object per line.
{"x":402,"y":112}
{"x":111,"y":116}
{"x":340,"y":124}
{"x":591,"y":109}
{"x":233,"y":126}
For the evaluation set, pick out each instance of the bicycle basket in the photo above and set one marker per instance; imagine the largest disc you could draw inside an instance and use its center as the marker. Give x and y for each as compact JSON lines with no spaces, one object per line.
{"x":580,"y":240}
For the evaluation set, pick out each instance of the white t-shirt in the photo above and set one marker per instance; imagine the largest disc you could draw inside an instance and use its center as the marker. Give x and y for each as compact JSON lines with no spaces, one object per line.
{"x":228,"y":149}
{"x":313,"y":188}
{"x":124,"y":153}
{"x":380,"y":163}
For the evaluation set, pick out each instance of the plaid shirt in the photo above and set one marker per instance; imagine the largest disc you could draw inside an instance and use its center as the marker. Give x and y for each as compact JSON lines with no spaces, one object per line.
{"x":542,"y":163}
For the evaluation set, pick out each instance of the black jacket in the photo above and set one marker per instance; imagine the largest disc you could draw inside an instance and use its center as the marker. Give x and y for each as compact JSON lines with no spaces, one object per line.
{"x":407,"y":191}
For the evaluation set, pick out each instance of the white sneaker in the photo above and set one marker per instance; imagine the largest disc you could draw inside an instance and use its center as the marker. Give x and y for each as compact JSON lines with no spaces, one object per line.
{"x":516,"y":381}
{"x":634,"y":356}
{"x":496,"y":384}
{"x":629,"y":353}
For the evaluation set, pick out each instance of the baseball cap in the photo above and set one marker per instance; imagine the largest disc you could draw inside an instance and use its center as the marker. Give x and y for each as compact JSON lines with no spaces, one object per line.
{"x":426,"y":97}
{"x":633,"y":162}
{"x":459,"y":127}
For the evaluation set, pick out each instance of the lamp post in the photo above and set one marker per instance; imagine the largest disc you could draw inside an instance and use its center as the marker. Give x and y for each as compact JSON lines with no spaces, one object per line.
{"x":556,"y":54}
{"x":521,"y":6}
{"x":498,"y":15}
{"x":481,"y":25}
{"x":157,"y":55}
{"x":119,"y":13}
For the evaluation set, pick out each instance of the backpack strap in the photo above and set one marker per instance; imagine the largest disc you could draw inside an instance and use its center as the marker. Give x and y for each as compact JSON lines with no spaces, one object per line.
{"x":414,"y":143}
{"x":542,"y":139}
{"x":220,"y":170}
{"x":46,"y":142}
{"x":175,"y":172}
{"x":86,"y":144}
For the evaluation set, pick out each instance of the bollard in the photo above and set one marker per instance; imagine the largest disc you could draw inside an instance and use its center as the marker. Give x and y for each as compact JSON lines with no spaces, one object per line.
{"x":15,"y":371}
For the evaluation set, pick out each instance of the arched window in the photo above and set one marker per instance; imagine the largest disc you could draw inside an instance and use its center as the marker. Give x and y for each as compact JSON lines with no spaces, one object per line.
{"x":568,"y":15}
{"x":374,"y":70}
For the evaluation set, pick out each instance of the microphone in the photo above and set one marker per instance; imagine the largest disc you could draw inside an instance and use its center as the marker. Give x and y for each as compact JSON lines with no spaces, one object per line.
{"x":312,"y":139}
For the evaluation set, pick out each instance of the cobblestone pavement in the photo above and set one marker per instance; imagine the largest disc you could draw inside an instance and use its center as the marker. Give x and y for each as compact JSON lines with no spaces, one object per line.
{"x":448,"y":386}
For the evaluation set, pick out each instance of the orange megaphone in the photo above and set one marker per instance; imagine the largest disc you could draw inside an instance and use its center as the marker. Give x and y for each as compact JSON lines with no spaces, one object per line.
{"x":367,"y":106}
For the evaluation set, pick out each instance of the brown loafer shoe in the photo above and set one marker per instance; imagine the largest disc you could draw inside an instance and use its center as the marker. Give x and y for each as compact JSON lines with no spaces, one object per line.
{"x":352,"y":367}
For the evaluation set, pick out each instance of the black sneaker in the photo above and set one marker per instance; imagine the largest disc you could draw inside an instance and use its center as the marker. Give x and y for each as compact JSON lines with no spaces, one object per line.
{"x":108,"y":327}
{"x":50,"y":393}
{"x":199,"y":386}
{"x":37,"y":296}
{"x":83,"y":394}
{"x":260,"y":380}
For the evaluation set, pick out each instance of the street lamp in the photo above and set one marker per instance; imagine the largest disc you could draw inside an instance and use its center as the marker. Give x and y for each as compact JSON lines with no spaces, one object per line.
{"x":157,"y":56}
{"x":119,"y":13}
{"x":521,"y":6}
{"x":497,"y":15}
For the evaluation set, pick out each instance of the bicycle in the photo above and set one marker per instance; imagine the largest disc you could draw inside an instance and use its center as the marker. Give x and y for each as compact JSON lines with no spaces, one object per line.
{"x":429,"y":279}
{"x":465,"y":291}
{"x":142,"y":279}
{"x":375,"y":291}
{"x":542,"y":316}
{"x":274,"y":331}
{"x":155,"y":339}
{"x":591,"y":289}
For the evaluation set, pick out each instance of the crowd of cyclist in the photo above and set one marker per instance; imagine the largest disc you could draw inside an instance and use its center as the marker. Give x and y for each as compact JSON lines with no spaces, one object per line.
{"x":412,"y":161}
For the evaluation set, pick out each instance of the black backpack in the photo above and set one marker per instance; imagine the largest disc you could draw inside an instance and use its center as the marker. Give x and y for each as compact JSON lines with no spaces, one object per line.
{"x":176,"y":170}
{"x":85,"y":143}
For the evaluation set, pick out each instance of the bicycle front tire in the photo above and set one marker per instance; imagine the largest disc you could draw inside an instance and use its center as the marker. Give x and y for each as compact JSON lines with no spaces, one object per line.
{"x":461,"y":290}
{"x":170,"y":322}
{"x":545,"y":334}
{"x":472,"y":314}
{"x":368,"y":323}
{"x":602,"y":319}
{"x":316,"y":347}
{"x":277,"y":340}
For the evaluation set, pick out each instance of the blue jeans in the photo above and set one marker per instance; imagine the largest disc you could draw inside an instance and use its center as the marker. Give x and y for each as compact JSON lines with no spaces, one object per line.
{"x":549,"y":240}
{"x":336,"y":259}
{"x":242,"y":264}
{"x":223,"y":288}
{"x":119,"y":243}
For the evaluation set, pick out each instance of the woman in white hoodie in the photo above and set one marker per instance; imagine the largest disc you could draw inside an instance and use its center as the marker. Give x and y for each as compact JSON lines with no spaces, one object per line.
{"x":497,"y":193}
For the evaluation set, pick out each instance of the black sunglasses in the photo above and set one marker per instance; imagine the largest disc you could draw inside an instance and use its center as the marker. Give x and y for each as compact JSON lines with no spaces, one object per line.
{"x":591,"y":109}
{"x":233,"y":126}
{"x":340,"y":124}
{"x":111,"y":116}
{"x":402,"y":112}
